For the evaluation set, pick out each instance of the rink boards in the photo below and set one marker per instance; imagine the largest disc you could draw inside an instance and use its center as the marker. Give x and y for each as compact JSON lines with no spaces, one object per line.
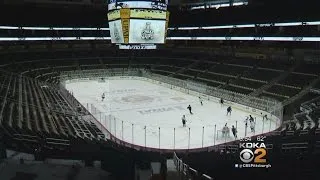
{"x":195,"y":141}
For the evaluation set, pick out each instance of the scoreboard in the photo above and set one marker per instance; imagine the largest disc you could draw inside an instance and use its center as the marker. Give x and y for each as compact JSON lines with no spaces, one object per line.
{"x":138,"y":22}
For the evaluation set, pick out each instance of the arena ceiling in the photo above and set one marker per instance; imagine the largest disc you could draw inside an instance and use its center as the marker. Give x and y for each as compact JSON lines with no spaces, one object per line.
{"x":15,"y":12}
{"x":171,"y":2}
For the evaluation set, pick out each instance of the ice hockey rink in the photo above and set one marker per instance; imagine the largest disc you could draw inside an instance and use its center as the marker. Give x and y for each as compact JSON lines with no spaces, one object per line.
{"x":149,"y":114}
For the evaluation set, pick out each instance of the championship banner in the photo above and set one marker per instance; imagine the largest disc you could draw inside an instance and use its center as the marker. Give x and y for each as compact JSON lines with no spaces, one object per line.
{"x":147,"y":14}
{"x":125,"y":21}
{"x":113,"y":15}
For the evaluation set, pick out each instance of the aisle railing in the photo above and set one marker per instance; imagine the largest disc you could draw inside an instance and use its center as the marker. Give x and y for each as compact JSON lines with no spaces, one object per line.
{"x":186,"y":172}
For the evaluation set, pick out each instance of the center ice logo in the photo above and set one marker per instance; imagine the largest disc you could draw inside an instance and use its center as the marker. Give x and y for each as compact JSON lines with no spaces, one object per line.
{"x":136,"y":99}
{"x":160,"y":110}
{"x":179,"y":99}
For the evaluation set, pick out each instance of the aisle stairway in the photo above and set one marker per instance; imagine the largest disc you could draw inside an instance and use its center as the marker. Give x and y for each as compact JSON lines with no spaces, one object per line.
{"x":283,"y":76}
{"x":180,"y":71}
{"x":260,"y":90}
{"x":302,"y":93}
{"x":172,"y":173}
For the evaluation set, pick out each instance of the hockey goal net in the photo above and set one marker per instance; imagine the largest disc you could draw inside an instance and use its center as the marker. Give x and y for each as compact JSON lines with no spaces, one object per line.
{"x":224,"y":134}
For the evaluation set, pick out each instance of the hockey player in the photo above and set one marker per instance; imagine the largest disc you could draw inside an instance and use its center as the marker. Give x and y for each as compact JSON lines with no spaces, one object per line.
{"x":103,"y":96}
{"x":234,"y":132}
{"x":252,"y":126}
{"x":251,"y":119}
{"x":265,"y":117}
{"x":246,"y":120}
{"x":221,"y":102}
{"x":245,"y":130}
{"x":200,"y":99}
{"x":184,"y":121}
{"x":189,"y":107}
{"x":226,"y":131}
{"x":229,"y":109}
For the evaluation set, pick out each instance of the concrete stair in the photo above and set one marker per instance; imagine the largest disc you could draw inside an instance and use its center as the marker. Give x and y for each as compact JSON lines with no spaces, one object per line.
{"x":172,"y":173}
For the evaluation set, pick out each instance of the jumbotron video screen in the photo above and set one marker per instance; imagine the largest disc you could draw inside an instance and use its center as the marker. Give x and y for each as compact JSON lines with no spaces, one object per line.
{"x":138,"y":24}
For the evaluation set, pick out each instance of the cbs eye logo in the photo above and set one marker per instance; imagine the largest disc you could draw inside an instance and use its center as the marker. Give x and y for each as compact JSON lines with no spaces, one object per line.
{"x":257,"y":156}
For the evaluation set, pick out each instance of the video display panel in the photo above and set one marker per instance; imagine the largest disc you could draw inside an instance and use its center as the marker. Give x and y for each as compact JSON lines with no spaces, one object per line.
{"x":116,"y":33}
{"x":147,"y":31}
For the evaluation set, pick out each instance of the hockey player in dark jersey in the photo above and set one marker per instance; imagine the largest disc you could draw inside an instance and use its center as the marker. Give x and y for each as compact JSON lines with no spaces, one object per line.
{"x":251,"y":119}
{"x":234,"y":132}
{"x":189,"y":107}
{"x":221,"y":102}
{"x":229,"y":109}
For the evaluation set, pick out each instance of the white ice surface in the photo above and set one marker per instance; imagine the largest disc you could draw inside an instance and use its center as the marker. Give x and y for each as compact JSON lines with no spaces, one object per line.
{"x":142,"y":103}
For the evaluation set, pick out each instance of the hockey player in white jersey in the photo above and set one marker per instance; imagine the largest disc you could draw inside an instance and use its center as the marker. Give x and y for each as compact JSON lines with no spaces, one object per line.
{"x":200,"y":100}
{"x":184,"y":121}
{"x":252,"y":126}
{"x":265,"y":117}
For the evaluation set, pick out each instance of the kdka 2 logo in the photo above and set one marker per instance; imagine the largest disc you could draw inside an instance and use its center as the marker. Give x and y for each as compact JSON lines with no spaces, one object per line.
{"x":253,"y":154}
